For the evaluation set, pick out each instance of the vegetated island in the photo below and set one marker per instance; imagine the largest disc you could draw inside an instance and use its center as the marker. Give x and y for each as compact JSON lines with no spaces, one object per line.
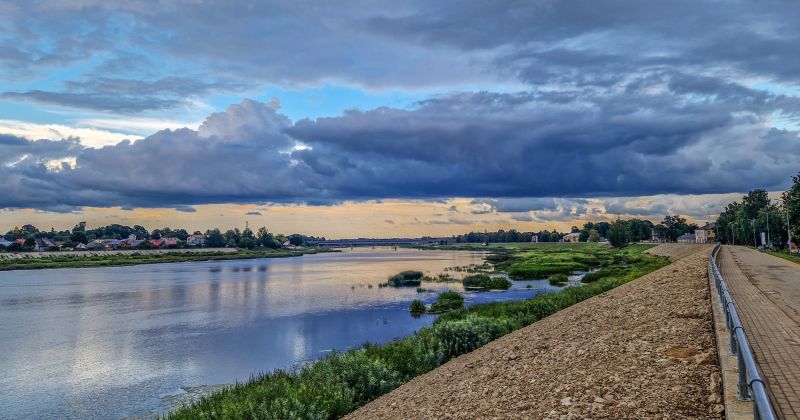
{"x":336,"y":385}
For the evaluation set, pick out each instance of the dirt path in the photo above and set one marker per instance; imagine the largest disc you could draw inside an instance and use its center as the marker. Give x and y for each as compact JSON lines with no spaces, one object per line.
{"x":643,"y":350}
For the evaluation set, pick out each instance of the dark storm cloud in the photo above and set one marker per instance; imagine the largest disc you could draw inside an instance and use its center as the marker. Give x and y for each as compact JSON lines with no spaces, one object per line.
{"x":615,"y":98}
{"x":514,"y":146}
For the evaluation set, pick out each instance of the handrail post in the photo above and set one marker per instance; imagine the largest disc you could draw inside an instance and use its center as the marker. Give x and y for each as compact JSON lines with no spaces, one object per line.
{"x":744,"y":387}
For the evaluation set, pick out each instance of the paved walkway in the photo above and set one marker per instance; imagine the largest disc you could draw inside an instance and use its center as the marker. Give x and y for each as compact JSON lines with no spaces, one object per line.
{"x":765,"y":291}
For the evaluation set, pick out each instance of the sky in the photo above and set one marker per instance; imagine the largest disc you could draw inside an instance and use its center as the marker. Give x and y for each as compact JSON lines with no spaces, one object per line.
{"x":401,"y":118}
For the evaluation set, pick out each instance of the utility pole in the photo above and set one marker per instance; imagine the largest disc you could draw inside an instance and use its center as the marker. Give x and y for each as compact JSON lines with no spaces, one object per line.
{"x":733,"y":234}
{"x":755,"y":243}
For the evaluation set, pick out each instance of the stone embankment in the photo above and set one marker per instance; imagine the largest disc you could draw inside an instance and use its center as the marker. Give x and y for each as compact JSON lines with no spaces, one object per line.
{"x":643,"y":350}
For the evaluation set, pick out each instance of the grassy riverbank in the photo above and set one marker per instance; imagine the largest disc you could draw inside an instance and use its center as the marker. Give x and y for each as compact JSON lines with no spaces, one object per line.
{"x":97,"y":259}
{"x":795,"y":258}
{"x":334,"y":386}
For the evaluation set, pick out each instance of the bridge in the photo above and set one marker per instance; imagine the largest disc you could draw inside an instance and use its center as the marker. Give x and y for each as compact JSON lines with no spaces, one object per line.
{"x":347,"y":243}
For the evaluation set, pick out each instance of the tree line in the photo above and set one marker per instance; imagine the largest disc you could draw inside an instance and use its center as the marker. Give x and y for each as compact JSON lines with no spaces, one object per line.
{"x":743,"y":221}
{"x":213,"y":238}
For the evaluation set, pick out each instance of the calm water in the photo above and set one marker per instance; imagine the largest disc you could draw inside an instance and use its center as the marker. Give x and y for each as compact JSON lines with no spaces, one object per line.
{"x":114,"y":342}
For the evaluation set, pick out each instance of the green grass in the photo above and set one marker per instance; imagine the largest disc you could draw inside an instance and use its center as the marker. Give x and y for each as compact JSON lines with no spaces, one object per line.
{"x":340,"y":383}
{"x":134,"y":258}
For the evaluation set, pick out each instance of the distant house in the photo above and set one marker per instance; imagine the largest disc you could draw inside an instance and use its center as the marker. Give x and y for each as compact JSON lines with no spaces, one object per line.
{"x":572,"y":237}
{"x":95,"y":244}
{"x":288,"y":245}
{"x":171,"y":241}
{"x":687,"y":238}
{"x":195,"y":240}
{"x":80,"y":247}
{"x":705,"y":234}
{"x":156,"y":243}
{"x":43,"y":244}
{"x":534,"y":238}
{"x":4,"y":242}
{"x":131,"y":242}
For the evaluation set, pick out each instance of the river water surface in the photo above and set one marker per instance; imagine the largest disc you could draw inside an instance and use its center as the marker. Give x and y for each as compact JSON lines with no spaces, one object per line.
{"x":123,"y":341}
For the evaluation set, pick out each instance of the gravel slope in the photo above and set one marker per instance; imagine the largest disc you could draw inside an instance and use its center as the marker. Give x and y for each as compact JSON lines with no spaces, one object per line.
{"x":676,"y":251}
{"x":643,"y":350}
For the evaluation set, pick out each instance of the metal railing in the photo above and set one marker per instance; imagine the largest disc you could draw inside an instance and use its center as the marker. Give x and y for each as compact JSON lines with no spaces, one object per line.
{"x":751,"y":386}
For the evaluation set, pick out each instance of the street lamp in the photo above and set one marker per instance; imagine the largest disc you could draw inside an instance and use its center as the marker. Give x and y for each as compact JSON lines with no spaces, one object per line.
{"x":769,"y":243}
{"x":788,"y":231}
{"x":755,"y":242}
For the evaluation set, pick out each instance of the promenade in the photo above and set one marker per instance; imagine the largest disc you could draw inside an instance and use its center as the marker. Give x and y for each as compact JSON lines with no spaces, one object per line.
{"x":766,"y":292}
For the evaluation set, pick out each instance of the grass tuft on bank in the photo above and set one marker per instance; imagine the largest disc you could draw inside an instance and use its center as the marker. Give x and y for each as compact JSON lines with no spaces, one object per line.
{"x":340,"y":383}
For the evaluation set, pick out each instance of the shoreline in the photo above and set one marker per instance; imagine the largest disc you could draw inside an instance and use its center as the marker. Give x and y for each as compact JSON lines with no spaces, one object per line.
{"x":121,"y":258}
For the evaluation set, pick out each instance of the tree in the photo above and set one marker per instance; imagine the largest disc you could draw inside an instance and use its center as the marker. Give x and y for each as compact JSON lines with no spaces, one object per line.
{"x":791,"y":203}
{"x":676,"y":226}
{"x":594,"y":235}
{"x":78,"y":236}
{"x":618,"y":234}
{"x":296,"y":240}
{"x":265,"y":238}
{"x":215,"y":239}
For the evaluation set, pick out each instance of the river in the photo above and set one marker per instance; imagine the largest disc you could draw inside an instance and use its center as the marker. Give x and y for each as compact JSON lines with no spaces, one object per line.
{"x":113,"y":342}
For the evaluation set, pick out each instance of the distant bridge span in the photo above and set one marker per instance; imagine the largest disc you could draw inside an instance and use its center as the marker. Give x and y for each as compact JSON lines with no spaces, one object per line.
{"x":347,"y":243}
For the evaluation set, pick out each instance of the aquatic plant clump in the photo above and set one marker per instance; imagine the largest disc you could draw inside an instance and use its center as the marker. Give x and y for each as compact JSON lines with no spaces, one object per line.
{"x":559,"y":279}
{"x":485,"y":282}
{"x":417,"y":307}
{"x":406,"y":278}
{"x":447,"y":301}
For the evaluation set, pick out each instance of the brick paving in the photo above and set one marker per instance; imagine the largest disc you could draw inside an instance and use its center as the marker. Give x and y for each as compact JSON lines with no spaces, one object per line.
{"x":773,"y":335}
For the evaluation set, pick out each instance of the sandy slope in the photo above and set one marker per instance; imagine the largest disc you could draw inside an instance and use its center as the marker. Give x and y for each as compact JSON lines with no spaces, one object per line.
{"x":642,"y":350}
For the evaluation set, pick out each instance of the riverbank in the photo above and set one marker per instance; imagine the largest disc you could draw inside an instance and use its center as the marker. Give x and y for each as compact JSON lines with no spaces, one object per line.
{"x":336,"y":385}
{"x":642,"y":350}
{"x":83,"y":259}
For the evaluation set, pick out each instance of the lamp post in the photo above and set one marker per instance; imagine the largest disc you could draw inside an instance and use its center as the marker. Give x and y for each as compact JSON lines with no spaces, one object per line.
{"x":788,"y":232}
{"x":755,"y":242}
{"x":769,"y":243}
